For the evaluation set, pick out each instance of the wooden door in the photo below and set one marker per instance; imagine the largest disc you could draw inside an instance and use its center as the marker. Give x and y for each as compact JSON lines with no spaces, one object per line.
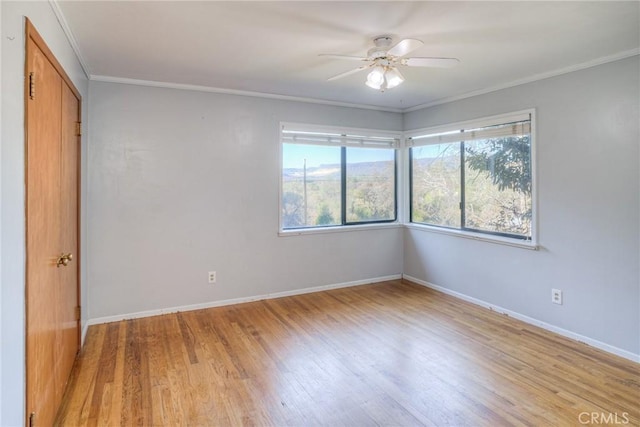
{"x":52,"y":171}
{"x":69,"y":327}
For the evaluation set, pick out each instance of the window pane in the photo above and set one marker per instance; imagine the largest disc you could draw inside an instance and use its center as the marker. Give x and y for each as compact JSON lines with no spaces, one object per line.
{"x":370,"y":185}
{"x":310,"y":186}
{"x":498,"y":185}
{"x":435,"y":193}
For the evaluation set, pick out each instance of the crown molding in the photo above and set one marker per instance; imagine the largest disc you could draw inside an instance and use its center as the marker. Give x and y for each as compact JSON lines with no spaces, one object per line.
{"x":599,"y":61}
{"x":198,"y":88}
{"x":70,"y":37}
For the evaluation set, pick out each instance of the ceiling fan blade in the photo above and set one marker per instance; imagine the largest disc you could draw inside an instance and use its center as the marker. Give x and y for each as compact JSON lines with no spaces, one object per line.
{"x":347,"y":57}
{"x":345,"y":74}
{"x":431,"y":62}
{"x":405,"y":46}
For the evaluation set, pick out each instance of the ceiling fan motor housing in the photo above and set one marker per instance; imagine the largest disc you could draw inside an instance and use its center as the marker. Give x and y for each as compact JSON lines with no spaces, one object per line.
{"x":382,"y":41}
{"x":382,"y":44}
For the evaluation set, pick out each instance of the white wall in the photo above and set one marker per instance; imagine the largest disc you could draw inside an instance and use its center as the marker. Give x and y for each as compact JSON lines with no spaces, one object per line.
{"x":588,"y":196}
{"x":1,"y":342}
{"x":12,"y":181}
{"x":184,"y":182}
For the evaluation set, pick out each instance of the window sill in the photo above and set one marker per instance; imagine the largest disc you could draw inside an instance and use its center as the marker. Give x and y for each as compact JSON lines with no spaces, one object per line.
{"x":476,"y":236}
{"x":337,"y":229}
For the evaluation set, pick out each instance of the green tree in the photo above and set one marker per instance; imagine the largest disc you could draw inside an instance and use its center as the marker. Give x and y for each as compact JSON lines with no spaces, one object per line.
{"x":506,"y":163}
{"x":371,"y":198}
{"x":506,"y":160}
{"x":292,"y":210}
{"x":325,"y":217}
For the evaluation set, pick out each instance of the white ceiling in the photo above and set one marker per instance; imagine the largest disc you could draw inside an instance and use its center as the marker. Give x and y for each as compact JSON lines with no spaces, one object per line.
{"x":273,"y":47}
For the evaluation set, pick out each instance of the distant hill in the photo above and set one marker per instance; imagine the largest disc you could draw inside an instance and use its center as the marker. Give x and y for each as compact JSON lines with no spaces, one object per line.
{"x":332,"y":172}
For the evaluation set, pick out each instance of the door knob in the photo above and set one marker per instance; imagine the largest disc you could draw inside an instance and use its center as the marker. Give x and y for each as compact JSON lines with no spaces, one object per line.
{"x":64,"y":259}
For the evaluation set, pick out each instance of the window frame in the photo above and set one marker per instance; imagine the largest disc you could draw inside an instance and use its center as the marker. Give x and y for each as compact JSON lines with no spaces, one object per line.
{"x":344,"y":225}
{"x":469,"y":232}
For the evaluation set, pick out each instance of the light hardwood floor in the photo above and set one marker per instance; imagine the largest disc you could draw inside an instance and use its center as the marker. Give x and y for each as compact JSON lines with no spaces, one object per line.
{"x":392,"y":353}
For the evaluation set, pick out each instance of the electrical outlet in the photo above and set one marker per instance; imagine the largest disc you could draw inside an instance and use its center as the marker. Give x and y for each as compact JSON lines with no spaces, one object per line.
{"x":556,"y":296}
{"x":212,"y":277}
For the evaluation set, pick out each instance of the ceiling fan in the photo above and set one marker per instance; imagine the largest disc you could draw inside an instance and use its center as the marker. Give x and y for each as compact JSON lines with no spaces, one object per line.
{"x":385,"y":60}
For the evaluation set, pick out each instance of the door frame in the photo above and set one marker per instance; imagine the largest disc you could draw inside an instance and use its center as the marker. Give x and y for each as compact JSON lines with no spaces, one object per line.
{"x":32,"y":34}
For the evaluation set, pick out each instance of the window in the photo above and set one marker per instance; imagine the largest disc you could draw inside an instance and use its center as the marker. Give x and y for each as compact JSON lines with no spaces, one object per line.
{"x":335,"y":177}
{"x":474,"y":178}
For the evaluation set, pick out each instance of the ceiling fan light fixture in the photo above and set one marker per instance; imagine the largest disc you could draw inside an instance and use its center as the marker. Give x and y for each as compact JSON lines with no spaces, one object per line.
{"x":394,"y":78}
{"x":375,"y":79}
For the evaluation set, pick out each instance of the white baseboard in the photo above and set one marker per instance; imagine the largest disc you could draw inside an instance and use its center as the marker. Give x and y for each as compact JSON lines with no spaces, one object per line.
{"x":539,"y":323}
{"x":85,"y":327}
{"x":220,"y":303}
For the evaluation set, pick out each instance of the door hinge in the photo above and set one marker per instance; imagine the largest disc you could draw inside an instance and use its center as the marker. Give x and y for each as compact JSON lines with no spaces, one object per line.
{"x":32,"y":417}
{"x":78,"y":129}
{"x":32,"y":85}
{"x":78,"y":312}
